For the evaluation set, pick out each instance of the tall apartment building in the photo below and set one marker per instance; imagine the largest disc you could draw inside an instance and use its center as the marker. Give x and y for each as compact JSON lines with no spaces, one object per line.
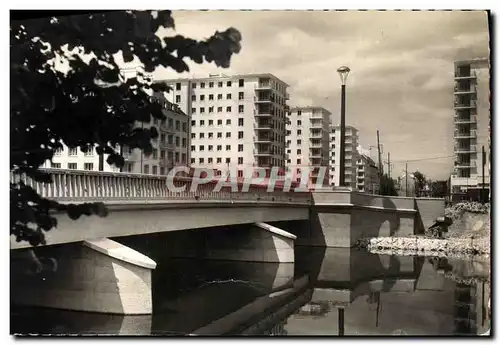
{"x":307,"y":140}
{"x":471,"y":128}
{"x":351,"y":155}
{"x":237,"y":121}
{"x":367,"y":175}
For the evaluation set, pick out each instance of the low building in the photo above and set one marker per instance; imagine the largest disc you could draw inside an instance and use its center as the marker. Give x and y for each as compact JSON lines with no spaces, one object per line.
{"x":367,"y":175}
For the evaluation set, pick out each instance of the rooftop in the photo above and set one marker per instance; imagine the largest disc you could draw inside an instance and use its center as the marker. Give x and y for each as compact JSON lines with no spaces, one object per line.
{"x":224,"y":76}
{"x":310,"y":107}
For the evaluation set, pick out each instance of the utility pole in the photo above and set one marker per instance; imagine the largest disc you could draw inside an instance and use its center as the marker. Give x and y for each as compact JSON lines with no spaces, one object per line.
{"x":389,"y":164}
{"x":483,"y":161}
{"x":406,"y":177}
{"x":380,"y":166}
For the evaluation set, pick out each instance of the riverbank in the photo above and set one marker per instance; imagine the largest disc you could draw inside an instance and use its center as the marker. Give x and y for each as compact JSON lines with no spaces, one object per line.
{"x":469,"y":235}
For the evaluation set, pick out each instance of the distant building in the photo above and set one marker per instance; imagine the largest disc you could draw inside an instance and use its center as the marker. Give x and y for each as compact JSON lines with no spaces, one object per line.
{"x":75,"y":159}
{"x":307,"y":140}
{"x":236,"y":121}
{"x":471,"y":128}
{"x":351,"y":155}
{"x":367,"y":175}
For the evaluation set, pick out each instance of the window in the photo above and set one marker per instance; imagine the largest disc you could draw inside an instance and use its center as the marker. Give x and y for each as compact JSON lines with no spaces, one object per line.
{"x":210,"y":122}
{"x":155,"y":170}
{"x":228,"y":134}
{"x":219,"y":148}
{"x":219,"y":122}
{"x":228,"y":122}
{"x":240,"y":147}
{"x":194,"y":87}
{"x":210,"y":109}
{"x":228,"y":160}
{"x":178,"y":86}
{"x":183,"y":158}
{"x":219,"y":160}
{"x":240,"y":172}
{"x":73,"y":152}
{"x":210,"y":135}
{"x":178,"y":99}
{"x":202,"y":148}
{"x":219,"y":134}
{"x":162,"y":170}
{"x":299,"y":161}
{"x":193,"y":123}
{"x":210,"y":147}
{"x":202,"y":97}
{"x":241,"y":109}
{"x":184,"y":142}
{"x":241,"y":82}
{"x":155,"y":153}
{"x":299,"y":123}
{"x":228,"y":109}
{"x":58,"y":152}
{"x":177,"y":157}
{"x":184,"y":127}
{"x":146,"y":168}
{"x":89,"y":151}
{"x":211,"y":84}
{"x":241,"y":96}
{"x":210,"y":160}
{"x":202,"y":122}
{"x":202,"y":85}
{"x":170,"y":139}
{"x":162,"y":154}
{"x":202,"y":135}
{"x":240,"y":135}
{"x":193,"y":148}
{"x":55,"y":165}
{"x":219,"y":109}
{"x":219,"y":84}
{"x":202,"y":161}
{"x":193,"y":160}
{"x":211,"y":97}
{"x":240,"y":160}
{"x":177,"y":125}
{"x":177,"y":141}
{"x":202,"y":110}
{"x":299,"y":132}
{"x":162,"y":138}
{"x":228,"y":96}
{"x":299,"y":112}
{"x":299,"y":142}
{"x":193,"y":97}
{"x":240,"y":121}
{"x":219,"y":96}
{"x":299,"y":151}
{"x":229,"y":84}
{"x":228,"y":147}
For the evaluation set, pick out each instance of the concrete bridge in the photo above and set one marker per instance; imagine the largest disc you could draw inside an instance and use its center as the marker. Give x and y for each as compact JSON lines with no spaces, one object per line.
{"x":96,"y":273}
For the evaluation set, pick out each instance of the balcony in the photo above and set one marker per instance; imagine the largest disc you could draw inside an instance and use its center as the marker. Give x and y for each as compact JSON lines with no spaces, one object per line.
{"x":465,"y":120}
{"x":287,"y":96}
{"x":315,"y":154}
{"x":465,"y":105}
{"x":263,"y":86}
{"x":167,"y":145}
{"x":264,"y":113}
{"x":316,"y":124}
{"x":316,"y":134}
{"x":316,"y":144}
{"x":263,"y":152}
{"x":464,"y":135}
{"x":263,"y":126}
{"x":264,"y":139}
{"x":264,"y":99}
{"x":465,"y":149}
{"x":464,"y":76}
{"x":465,"y":91}
{"x":465,"y":165}
{"x":317,"y":115}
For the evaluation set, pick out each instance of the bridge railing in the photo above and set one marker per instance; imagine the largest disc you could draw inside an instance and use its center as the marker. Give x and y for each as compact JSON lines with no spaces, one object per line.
{"x":89,"y":186}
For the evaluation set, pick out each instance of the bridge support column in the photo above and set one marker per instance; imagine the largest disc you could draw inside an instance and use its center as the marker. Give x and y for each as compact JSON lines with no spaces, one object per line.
{"x":100,"y":276}
{"x":261,"y":242}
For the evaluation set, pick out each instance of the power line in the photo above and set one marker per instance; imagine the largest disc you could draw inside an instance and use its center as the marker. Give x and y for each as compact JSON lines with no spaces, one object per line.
{"x":422,"y":159}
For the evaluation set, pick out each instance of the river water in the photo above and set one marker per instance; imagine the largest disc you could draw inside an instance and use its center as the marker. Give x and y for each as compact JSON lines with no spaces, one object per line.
{"x":337,"y":292}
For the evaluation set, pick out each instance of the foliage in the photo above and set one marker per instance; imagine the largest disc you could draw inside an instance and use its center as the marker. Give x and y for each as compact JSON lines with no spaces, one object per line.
{"x":420,"y":182}
{"x":439,"y":189}
{"x":387,"y":186}
{"x":90,"y":104}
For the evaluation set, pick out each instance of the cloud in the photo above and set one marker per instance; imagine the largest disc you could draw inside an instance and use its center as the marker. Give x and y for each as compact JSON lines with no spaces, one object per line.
{"x":402,"y":67}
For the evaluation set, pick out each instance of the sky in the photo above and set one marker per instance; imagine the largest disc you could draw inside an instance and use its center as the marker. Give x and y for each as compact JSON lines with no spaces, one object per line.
{"x":401,"y":79}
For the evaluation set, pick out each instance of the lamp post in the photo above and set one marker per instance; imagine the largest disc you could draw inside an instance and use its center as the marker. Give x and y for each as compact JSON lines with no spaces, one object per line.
{"x":343,"y":72}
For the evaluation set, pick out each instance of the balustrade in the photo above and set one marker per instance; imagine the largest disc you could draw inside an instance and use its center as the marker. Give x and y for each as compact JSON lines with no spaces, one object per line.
{"x":88,"y":186}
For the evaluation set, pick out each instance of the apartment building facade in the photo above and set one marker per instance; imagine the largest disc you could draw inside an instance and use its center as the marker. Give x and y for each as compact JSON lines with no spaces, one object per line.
{"x":367,"y":175}
{"x":78,"y":159}
{"x":471,"y":129}
{"x":307,"y":141}
{"x":237,"y":121}
{"x":351,"y":155}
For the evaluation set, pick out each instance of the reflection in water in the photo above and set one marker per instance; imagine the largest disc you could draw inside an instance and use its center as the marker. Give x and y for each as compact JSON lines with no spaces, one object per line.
{"x":326,"y":292}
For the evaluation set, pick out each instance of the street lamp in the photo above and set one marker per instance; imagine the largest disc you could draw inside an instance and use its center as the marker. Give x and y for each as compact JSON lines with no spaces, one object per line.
{"x":343,"y":72}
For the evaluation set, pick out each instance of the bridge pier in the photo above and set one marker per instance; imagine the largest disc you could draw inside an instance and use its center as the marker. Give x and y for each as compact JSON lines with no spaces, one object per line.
{"x":99,"y":276}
